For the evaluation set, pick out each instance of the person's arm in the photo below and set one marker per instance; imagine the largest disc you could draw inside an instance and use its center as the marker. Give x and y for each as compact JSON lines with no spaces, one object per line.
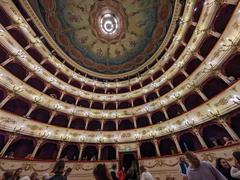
{"x":217,"y":174}
{"x":235,"y":173}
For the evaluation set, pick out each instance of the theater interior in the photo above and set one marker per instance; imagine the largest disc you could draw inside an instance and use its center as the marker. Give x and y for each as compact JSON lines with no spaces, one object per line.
{"x":125,"y":82}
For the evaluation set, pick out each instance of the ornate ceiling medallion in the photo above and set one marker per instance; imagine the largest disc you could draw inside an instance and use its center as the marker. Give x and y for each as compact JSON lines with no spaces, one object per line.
{"x":108,"y":21}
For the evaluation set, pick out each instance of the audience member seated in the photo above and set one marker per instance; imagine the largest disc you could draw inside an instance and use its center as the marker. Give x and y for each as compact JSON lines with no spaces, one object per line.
{"x":58,"y":171}
{"x":199,"y":170}
{"x":121,"y":173}
{"x":10,"y":155}
{"x":223,"y":166}
{"x":227,"y":141}
{"x":100,"y":172}
{"x":17,"y":174}
{"x":93,"y":158}
{"x":7,"y":175}
{"x":235,"y":170}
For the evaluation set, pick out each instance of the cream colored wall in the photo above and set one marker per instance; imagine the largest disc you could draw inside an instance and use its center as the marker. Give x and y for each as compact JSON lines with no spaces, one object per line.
{"x":159,"y":167}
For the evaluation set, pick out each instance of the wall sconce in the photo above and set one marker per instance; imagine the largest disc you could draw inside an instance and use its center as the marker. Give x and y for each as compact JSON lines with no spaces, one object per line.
{"x":227,"y":44}
{"x":44,"y":134}
{"x":236,"y":100}
{"x":189,"y":123}
{"x":137,"y":136}
{"x":170,"y":129}
{"x":17,"y":88}
{"x":82,"y":138}
{"x":215,"y":114}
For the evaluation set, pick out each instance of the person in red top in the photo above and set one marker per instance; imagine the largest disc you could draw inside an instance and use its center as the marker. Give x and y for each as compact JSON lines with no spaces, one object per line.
{"x":121,"y":174}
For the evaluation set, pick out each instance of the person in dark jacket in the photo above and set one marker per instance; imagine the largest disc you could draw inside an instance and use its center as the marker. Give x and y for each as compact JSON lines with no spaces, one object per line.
{"x":58,"y":170}
{"x":224,"y":167}
{"x":113,"y":172}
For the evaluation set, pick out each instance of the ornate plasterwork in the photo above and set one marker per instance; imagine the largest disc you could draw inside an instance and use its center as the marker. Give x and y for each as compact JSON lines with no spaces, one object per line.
{"x":204,"y":113}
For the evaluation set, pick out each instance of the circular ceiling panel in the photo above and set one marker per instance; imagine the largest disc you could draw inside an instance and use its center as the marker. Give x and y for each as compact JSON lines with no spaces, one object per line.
{"x":107,"y":37}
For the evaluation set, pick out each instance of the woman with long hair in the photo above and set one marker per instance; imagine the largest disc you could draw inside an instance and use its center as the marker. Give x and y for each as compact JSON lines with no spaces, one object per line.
{"x":224,"y":167}
{"x":100,"y":172}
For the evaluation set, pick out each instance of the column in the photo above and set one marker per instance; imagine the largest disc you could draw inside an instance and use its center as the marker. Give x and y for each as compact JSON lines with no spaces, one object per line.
{"x":138,"y":151}
{"x":117,"y":152}
{"x":116,"y":122}
{"x":156,"y":147}
{"x":182,"y":105}
{"x":70,"y":121}
{"x":39,"y":142}
{"x":165,"y":113}
{"x":149,"y":118}
{"x":223,"y":77}
{"x":174,"y":137}
{"x":134,"y":122}
{"x":80,"y":152}
{"x":201,"y":94}
{"x":201,"y":140}
{"x":229,"y":130}
{"x":86,"y":125}
{"x":6,"y":99}
{"x":10,"y":140}
{"x":60,"y":150}
{"x":31,"y":110}
{"x":184,"y":72}
{"x":102,"y":122}
{"x":99,"y":151}
{"x":170,"y":84}
{"x":52,"y":115}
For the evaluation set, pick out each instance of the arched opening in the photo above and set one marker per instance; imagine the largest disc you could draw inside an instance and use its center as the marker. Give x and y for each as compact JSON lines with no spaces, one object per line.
{"x":138,"y":102}
{"x":158,"y":117}
{"x":157,"y":74}
{"x":147,"y":149}
{"x":3,"y":53}
{"x":108,"y":153}
{"x":68,"y":99}
{"x":62,"y":76}
{"x":232,"y":66}
{"x":167,"y":147}
{"x":135,"y":87}
{"x":125,"y":124}
{"x":111,"y":91}
{"x":193,"y":101}
{"x":99,"y":90}
{"x":49,"y":67}
{"x":197,"y":10}
{"x":123,"y":90}
{"x":90,"y":153}
{"x":70,"y":152}
{"x":78,"y":124}
{"x":189,"y":33}
{"x":19,"y":37}
{"x":60,"y":120}
{"x":168,"y":64}
{"x":164,"y":89}
{"x":5,"y":20}
{"x":235,"y":123}
{"x":36,"y":83}
{"x":189,"y":142}
{"x":213,"y":135}
{"x":146,"y":82}
{"x":17,"y":106}
{"x":179,"y":51}
{"x":178,"y":79}
{"x":87,"y":88}
{"x":222,"y":17}
{"x":36,"y":55}
{"x":207,"y":46}
{"x":48,"y":151}
{"x":142,"y":121}
{"x":192,"y":65}
{"x":174,"y":110}
{"x":75,"y":84}
{"x":109,"y":126}
{"x":40,"y":114}
{"x":21,"y":148}
{"x":17,"y":70}
{"x":97,"y":105}
{"x":54,"y":93}
{"x":94,"y":125}
{"x":83,"y":103}
{"x":110,"y":106}
{"x":151,"y":97}
{"x":213,"y":87}
{"x":3,"y":140}
{"x":123,"y":105}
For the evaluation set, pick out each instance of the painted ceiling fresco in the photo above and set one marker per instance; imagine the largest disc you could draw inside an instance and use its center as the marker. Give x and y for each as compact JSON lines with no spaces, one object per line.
{"x":109,"y":37}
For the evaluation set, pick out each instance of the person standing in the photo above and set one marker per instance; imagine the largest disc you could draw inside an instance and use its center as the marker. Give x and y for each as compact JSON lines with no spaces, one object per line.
{"x":183,"y":166}
{"x":201,"y":170}
{"x":145,"y":175}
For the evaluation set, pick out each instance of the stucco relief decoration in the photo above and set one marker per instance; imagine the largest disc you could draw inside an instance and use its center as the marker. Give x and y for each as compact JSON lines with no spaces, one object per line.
{"x":109,"y":36}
